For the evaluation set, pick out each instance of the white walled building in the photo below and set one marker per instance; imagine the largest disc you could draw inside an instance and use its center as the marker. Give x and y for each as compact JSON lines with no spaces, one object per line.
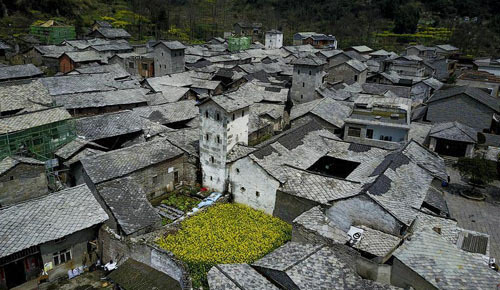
{"x":307,"y":76}
{"x":274,"y":39}
{"x":223,"y":124}
{"x":168,"y":57}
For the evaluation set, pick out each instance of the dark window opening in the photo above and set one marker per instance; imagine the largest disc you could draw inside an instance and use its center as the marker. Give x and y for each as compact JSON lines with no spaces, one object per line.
{"x":218,"y":117}
{"x":354,"y":132}
{"x":257,"y":194}
{"x":303,"y":84}
{"x":369,"y":133}
{"x":243,"y":113}
{"x":11,"y":178}
{"x":212,"y":159}
{"x":334,"y":167}
{"x":206,"y":137}
{"x":206,"y":114}
{"x":218,"y":139}
{"x":298,"y":72}
{"x":237,"y":170}
{"x":234,"y":117}
{"x":242,"y":189}
{"x":309,"y":72}
{"x":355,"y":78}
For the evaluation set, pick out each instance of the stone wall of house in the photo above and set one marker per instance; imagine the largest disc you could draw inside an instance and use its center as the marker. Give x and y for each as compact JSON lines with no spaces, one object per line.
{"x":404,"y":277}
{"x":23,"y":182}
{"x":252,"y":186}
{"x":345,"y":73}
{"x":305,"y":81}
{"x":76,"y":243}
{"x":361,"y":210}
{"x":116,"y":248}
{"x":167,"y":61}
{"x":288,"y":207}
{"x":274,"y":40}
{"x":159,"y":177}
{"x":371,"y":270}
{"x":462,"y":109}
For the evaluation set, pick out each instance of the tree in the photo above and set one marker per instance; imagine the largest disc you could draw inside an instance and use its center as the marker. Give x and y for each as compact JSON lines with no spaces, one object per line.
{"x":406,"y":18}
{"x":479,"y":170}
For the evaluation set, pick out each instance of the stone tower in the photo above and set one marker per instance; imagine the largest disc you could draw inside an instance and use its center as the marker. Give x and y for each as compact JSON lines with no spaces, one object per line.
{"x":307,"y":77}
{"x":223,"y":124}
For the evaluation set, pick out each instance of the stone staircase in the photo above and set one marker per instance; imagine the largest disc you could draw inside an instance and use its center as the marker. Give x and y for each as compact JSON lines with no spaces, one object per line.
{"x":449,"y":161}
{"x":169,"y":212}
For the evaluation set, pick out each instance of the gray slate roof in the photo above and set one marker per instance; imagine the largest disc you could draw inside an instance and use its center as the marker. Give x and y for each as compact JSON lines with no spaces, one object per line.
{"x":315,"y":221}
{"x":381,"y":89}
{"x":171,"y":44}
{"x":73,"y":147}
{"x":53,"y":51}
{"x":444,"y":265}
{"x":121,"y":162}
{"x":22,"y":71}
{"x":328,"y":109}
{"x":10,"y":162}
{"x":427,"y":159}
{"x":237,"y":276}
{"x":112,"y":33}
{"x":238,"y":151}
{"x":316,"y":187}
{"x":376,"y":242}
{"x":128,"y":204}
{"x":305,"y":266}
{"x":454,"y":131}
{"x":29,"y":120}
{"x":84,"y":56}
{"x":169,"y":113}
{"x":27,"y":96}
{"x":475,"y":93}
{"x":186,"y":139}
{"x":168,"y":94}
{"x":310,"y":60}
{"x":101,"y":99}
{"x":48,"y":218}
{"x":85,"y":83}
{"x":115,"y":124}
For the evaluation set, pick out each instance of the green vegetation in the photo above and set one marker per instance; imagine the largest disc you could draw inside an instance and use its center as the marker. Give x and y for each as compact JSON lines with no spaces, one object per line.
{"x":479,"y":170}
{"x":180,"y":201}
{"x":472,"y":25}
{"x":223,"y":234}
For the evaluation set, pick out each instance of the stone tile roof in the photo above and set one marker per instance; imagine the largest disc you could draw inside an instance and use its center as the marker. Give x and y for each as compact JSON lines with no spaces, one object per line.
{"x":361,"y":48}
{"x":121,"y":162}
{"x":114,"y":46}
{"x":74,"y":146}
{"x":239,"y":151}
{"x":169,"y":94}
{"x":316,"y":187}
{"x":28,"y":96}
{"x":29,"y":120}
{"x":87,"y":152}
{"x":4,"y":45}
{"x":447,"y":47}
{"x":171,"y":44}
{"x":328,"y":109}
{"x":419,"y":131}
{"x":84,"y":56}
{"x":381,"y":89}
{"x":22,"y":71}
{"x":300,"y":147}
{"x":48,"y":218}
{"x":314,"y":221}
{"x":53,"y":51}
{"x":357,"y":65}
{"x":427,"y":159}
{"x":444,"y":265}
{"x":376,"y":242}
{"x":237,"y":276}
{"x":310,"y":60}
{"x":436,"y":199}
{"x":454,"y":131}
{"x":128,"y":204}
{"x":229,"y":102}
{"x":116,"y":70}
{"x":475,"y":93}
{"x":169,"y":113}
{"x":10,"y":162}
{"x":112,"y":33}
{"x":186,"y":139}
{"x":134,"y":275}
{"x":115,"y":124}
{"x":86,"y":83}
{"x":303,"y":266}
{"x":101,"y":99}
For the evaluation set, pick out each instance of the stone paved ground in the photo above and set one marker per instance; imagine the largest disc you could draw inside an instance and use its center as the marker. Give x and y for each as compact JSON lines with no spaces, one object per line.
{"x":481,"y":216}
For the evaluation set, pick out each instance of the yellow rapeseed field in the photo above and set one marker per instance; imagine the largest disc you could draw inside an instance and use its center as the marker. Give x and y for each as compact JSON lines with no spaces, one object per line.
{"x":224,"y":234}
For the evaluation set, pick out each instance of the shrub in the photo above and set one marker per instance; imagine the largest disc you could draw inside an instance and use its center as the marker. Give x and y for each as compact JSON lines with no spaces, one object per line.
{"x":224,"y":234}
{"x":181,"y":202}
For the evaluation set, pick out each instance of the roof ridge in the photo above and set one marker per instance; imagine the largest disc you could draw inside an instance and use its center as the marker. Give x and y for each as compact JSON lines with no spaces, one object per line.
{"x":41,"y":197}
{"x":319,"y":174}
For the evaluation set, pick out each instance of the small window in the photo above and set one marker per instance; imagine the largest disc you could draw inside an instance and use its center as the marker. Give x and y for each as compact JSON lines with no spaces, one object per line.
{"x":309,"y":72}
{"x":237,"y":170}
{"x":155,"y":179}
{"x":212,"y":159}
{"x":234,"y":117}
{"x":62,"y":257}
{"x":369,"y":133}
{"x":162,"y":54}
{"x":242,"y":189}
{"x":131,"y":65}
{"x":145,"y":66}
{"x":211,"y":178}
{"x":11,"y":178}
{"x":206,"y":114}
{"x":303,"y":84}
{"x":257,"y":194}
{"x":355,"y":78}
{"x":207,"y":137}
{"x":218,"y":117}
{"x":218,"y":139}
{"x":298,"y":72}
{"x":354,"y":132}
{"x":301,"y":97}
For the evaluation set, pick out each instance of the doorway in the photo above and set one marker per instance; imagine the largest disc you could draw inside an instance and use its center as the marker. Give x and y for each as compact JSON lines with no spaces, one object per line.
{"x":14,"y":273}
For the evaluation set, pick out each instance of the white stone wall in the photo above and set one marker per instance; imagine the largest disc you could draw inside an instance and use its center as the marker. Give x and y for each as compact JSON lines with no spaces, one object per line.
{"x":305,"y":81}
{"x":218,"y":136}
{"x":274,"y":40}
{"x":251,"y":185}
{"x":168,"y":61}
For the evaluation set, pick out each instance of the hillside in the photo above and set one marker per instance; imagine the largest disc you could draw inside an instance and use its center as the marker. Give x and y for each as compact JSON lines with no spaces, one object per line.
{"x":471,"y":25}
